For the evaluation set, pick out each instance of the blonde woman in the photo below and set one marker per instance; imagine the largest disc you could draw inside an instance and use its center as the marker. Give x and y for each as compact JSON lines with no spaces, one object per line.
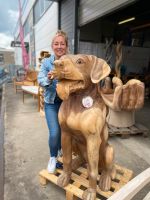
{"x":51,"y":100}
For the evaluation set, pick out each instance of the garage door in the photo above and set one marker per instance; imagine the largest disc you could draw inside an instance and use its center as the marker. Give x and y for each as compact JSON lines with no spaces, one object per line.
{"x":90,"y":10}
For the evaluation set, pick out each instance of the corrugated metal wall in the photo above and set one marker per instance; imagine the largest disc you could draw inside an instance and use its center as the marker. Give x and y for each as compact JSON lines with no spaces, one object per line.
{"x":89,"y":10}
{"x":68,"y":20}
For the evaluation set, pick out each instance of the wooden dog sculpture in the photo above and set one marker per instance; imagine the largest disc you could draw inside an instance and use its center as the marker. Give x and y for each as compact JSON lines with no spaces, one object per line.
{"x":82,"y":117}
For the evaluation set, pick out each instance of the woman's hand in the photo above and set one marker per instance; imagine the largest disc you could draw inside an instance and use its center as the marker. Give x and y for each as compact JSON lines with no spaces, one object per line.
{"x":50,"y":75}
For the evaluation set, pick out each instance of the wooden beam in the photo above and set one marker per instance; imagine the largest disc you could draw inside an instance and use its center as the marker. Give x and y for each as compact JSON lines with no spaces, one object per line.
{"x":140,"y":27}
{"x":129,"y":190}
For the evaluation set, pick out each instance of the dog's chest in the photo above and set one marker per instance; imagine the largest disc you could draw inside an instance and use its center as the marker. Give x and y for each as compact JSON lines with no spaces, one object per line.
{"x":73,"y":120}
{"x":78,"y":120}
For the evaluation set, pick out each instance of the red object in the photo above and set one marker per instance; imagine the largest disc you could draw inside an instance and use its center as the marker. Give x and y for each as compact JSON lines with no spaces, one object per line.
{"x":25,"y":56}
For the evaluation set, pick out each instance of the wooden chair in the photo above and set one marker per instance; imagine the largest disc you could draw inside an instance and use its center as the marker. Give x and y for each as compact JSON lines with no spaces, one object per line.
{"x":34,"y":90}
{"x":129,"y":190}
{"x":30,"y":79}
{"x":28,"y":86}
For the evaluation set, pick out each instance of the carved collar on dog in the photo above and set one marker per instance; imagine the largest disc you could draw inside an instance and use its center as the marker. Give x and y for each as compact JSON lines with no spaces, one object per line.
{"x":87,"y":102}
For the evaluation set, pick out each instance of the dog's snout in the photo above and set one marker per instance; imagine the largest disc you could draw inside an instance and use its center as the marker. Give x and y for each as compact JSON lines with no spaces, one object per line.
{"x":59,"y":63}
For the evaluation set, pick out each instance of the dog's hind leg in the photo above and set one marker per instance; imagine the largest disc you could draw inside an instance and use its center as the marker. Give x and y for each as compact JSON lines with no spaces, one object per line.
{"x":77,"y":162}
{"x":64,"y":178}
{"x":108,"y":171}
{"x":106,"y":163}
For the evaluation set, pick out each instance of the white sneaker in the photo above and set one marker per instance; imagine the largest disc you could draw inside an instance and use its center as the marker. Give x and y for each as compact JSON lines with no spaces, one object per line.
{"x":60,"y":153}
{"x":51,"y":165}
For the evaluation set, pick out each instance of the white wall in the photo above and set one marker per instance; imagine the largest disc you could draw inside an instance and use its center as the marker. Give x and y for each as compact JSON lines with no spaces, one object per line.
{"x":18,"y":56}
{"x":45,"y":30}
{"x":18,"y":52}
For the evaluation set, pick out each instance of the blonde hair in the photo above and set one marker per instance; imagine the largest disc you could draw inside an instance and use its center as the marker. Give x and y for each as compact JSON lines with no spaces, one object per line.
{"x":61,"y":33}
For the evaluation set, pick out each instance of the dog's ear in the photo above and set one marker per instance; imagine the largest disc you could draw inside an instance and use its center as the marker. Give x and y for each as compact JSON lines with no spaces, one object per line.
{"x":100,"y":69}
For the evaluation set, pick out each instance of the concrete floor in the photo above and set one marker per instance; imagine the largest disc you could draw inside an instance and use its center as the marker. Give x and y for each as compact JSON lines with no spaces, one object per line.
{"x":26,"y":150}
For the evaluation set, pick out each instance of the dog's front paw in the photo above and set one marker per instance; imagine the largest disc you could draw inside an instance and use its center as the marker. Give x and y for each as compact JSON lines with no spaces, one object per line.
{"x":105,"y":181}
{"x":63,"y":179}
{"x":89,"y":194}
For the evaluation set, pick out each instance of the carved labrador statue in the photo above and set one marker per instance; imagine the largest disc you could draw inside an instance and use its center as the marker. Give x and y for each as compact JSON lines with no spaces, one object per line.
{"x":82,"y":118}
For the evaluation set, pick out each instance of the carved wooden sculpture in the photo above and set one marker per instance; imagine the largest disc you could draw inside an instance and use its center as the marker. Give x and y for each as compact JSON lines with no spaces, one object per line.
{"x":108,"y":49}
{"x":124,"y":116}
{"x":43,"y":54}
{"x":82,"y":118}
{"x":118,"y":58}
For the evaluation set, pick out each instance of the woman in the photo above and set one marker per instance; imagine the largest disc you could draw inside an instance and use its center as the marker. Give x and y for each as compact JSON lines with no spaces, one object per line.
{"x":51,"y":100}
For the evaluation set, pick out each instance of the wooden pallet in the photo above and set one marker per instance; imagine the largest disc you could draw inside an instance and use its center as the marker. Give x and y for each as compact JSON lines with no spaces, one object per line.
{"x":79,"y":182}
{"x":126,"y":132}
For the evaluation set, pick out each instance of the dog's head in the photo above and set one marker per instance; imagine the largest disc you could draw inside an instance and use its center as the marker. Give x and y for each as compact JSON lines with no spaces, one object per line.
{"x":76,"y":72}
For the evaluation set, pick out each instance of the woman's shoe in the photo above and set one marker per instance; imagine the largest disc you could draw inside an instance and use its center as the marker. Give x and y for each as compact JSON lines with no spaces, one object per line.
{"x":51,"y":168}
{"x":59,"y":165}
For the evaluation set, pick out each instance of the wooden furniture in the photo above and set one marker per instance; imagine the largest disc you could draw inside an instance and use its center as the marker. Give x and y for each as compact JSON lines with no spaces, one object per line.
{"x":129,"y":190}
{"x":30,"y":86}
{"x":124,"y":116}
{"x":29,"y":80}
{"x":41,"y":93}
{"x":126,"y":132}
{"x":43,"y":54}
{"x":33,"y":90}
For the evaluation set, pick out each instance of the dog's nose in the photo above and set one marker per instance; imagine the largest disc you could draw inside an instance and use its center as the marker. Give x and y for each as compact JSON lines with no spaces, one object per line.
{"x":58,"y":63}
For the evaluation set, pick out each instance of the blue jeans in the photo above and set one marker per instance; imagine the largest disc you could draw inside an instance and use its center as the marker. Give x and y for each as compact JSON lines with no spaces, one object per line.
{"x":51,"y":113}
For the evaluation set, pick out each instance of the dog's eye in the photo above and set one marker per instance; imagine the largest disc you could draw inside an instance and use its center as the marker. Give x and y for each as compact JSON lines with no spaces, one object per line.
{"x":80,"y":61}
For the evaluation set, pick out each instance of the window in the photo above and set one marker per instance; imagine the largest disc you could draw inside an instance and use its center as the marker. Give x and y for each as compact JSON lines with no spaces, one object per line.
{"x":47,"y":3}
{"x":26,"y":27}
{"x":39,"y":8}
{"x":36,"y":11}
{"x":1,"y":58}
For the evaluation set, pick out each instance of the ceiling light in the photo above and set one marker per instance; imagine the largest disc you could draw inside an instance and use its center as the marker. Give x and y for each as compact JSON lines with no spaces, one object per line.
{"x":126,"y":20}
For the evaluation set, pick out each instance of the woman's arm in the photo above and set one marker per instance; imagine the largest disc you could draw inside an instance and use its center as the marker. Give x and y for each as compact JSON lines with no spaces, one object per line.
{"x":43,"y":78}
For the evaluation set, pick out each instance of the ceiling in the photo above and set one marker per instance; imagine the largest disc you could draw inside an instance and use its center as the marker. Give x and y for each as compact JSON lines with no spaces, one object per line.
{"x":139,"y":9}
{"x":107,"y":26}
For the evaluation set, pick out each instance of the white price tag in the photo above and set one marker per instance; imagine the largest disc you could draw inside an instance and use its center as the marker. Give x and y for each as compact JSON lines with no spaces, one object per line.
{"x":87,"y":102}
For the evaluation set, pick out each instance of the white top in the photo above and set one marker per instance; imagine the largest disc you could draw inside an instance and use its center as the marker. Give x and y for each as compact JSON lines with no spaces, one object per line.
{"x":30,"y":89}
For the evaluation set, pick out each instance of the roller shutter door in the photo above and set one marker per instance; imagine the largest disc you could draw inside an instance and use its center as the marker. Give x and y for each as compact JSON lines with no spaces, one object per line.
{"x":90,"y":10}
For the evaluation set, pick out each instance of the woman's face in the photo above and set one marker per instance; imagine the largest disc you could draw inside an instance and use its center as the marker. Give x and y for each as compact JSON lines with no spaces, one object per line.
{"x":59,"y":46}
